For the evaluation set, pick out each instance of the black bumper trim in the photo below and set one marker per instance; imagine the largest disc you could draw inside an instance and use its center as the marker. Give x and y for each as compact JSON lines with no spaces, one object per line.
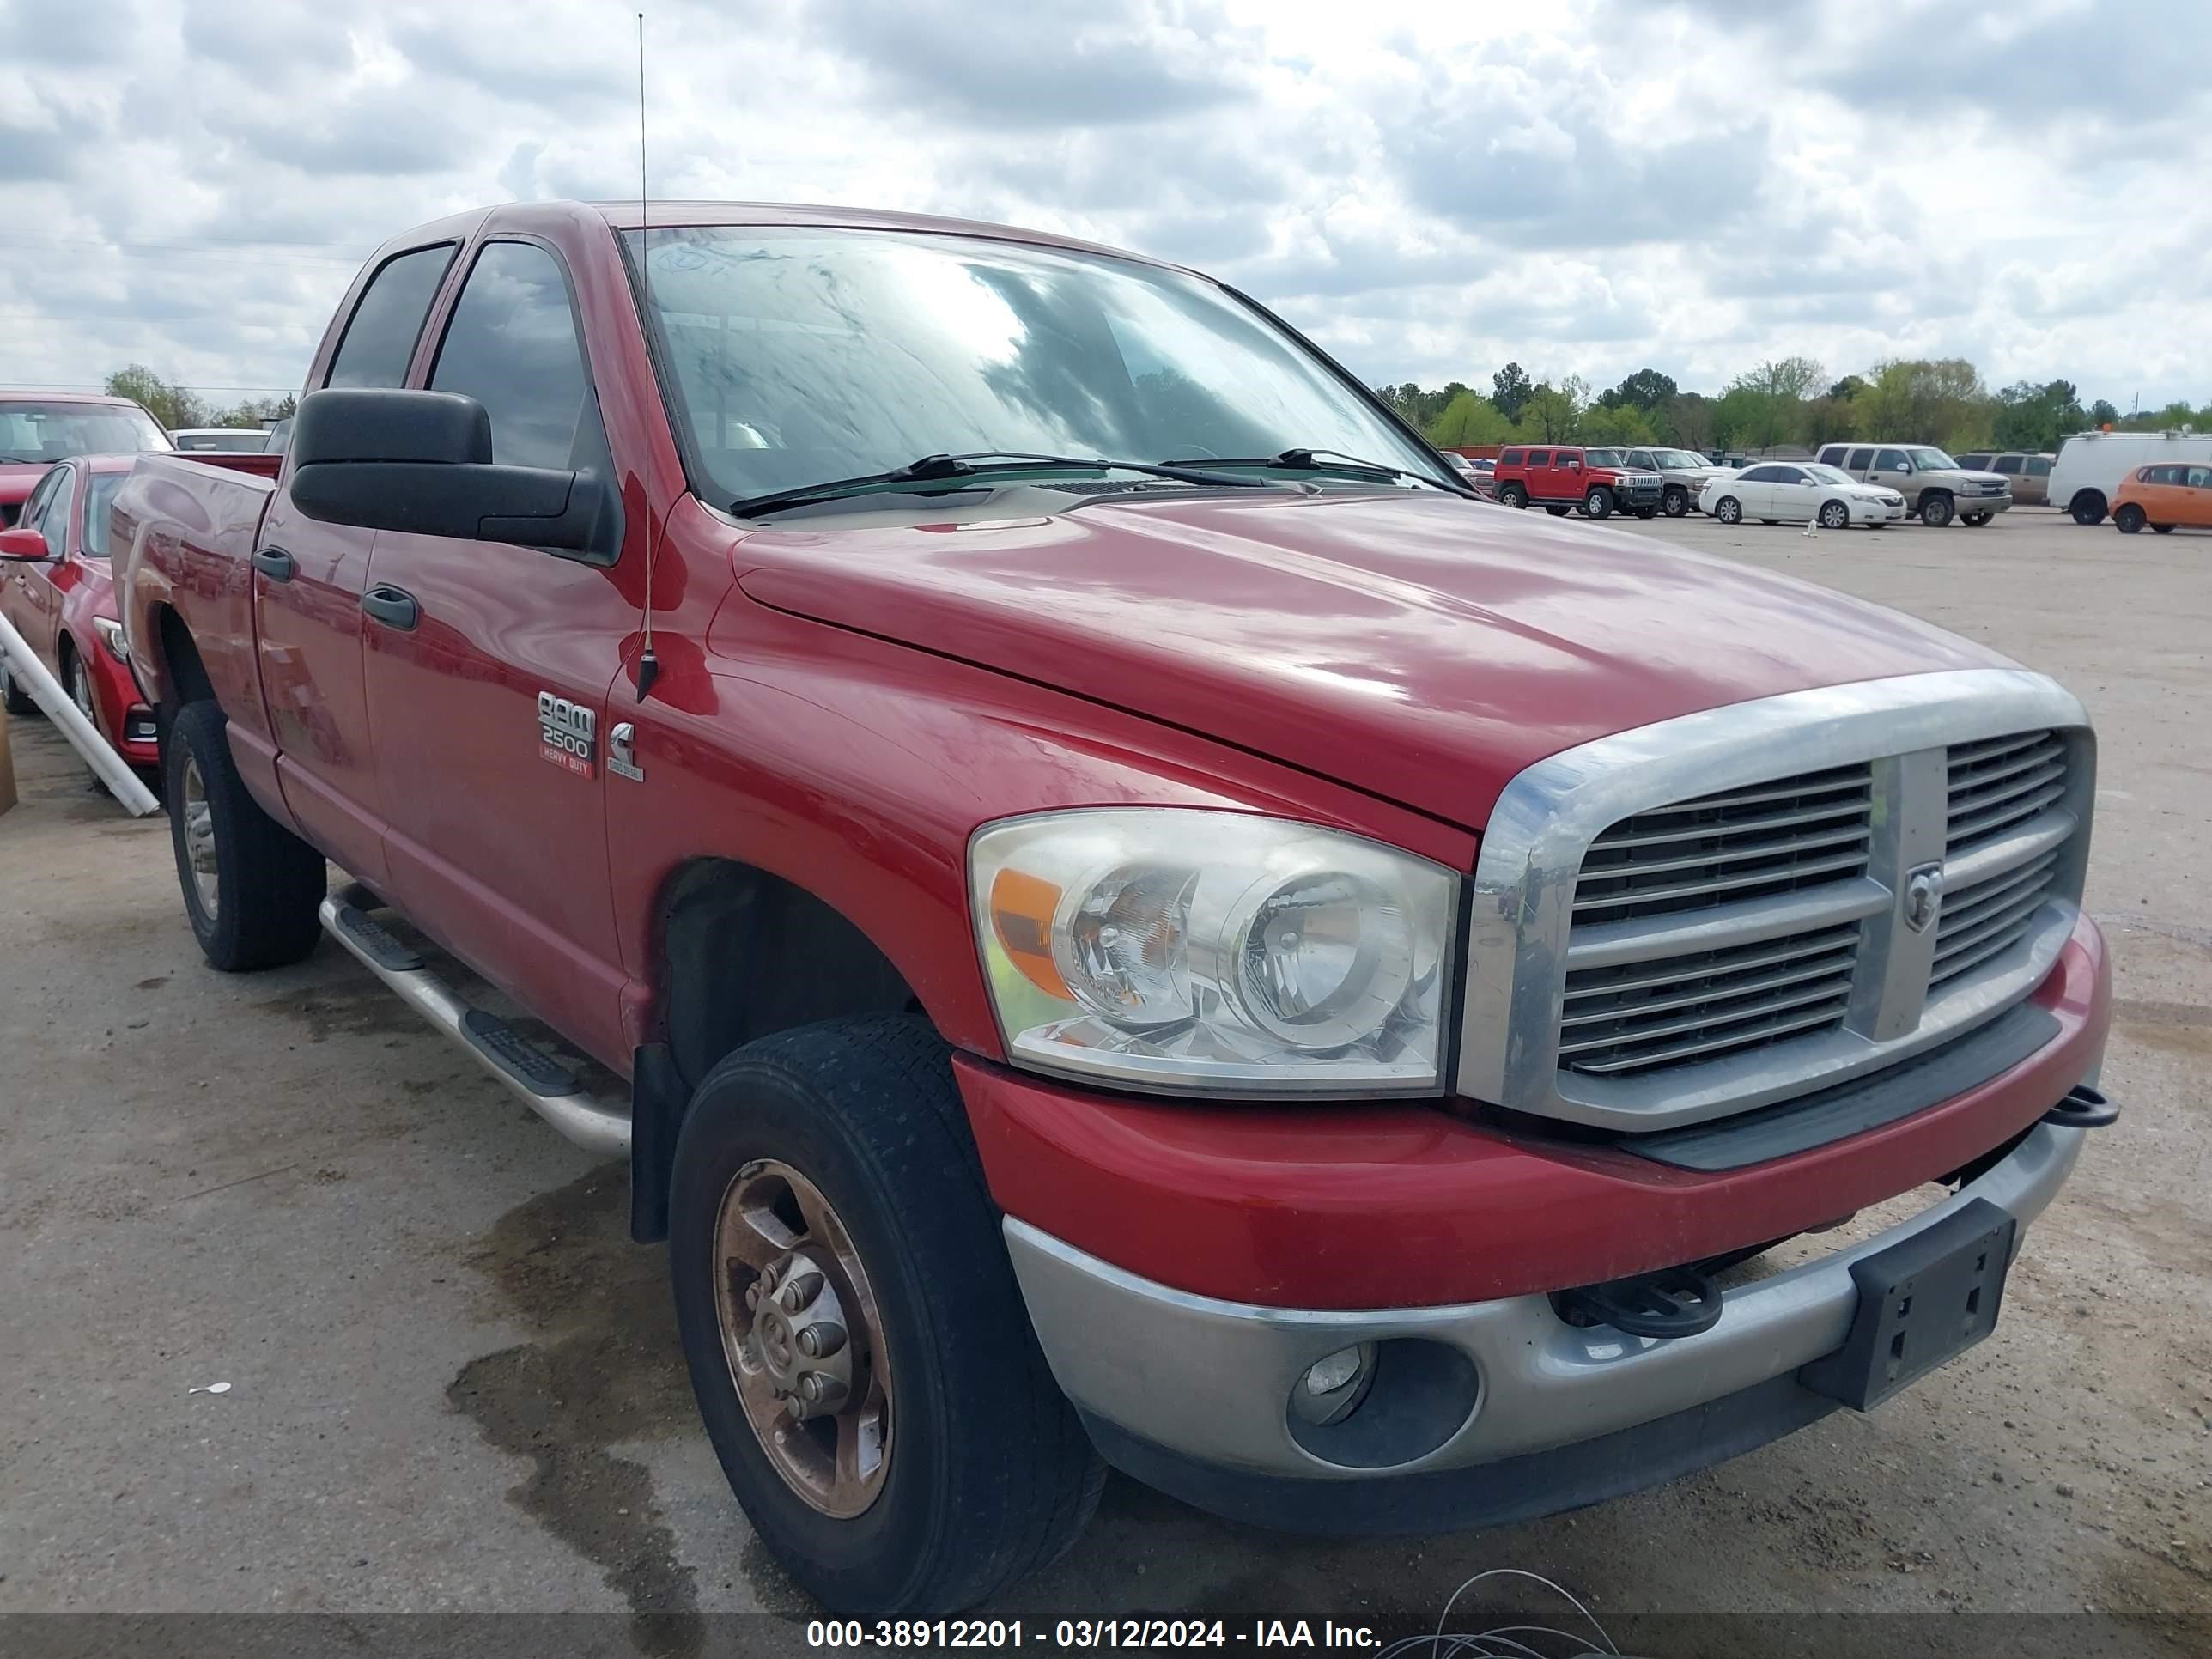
{"x":1511,"y":1490}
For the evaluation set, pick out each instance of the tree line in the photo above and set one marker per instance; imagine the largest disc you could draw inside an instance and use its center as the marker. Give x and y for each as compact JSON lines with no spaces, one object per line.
{"x":177,"y":406}
{"x":1788,"y":401}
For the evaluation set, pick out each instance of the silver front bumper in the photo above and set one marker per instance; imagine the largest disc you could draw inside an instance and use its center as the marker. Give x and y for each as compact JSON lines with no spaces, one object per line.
{"x":1212,"y":1380}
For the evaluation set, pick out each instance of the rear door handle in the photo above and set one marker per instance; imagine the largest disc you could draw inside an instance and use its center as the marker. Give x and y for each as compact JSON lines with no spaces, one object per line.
{"x":277,"y":564}
{"x":394,"y":607}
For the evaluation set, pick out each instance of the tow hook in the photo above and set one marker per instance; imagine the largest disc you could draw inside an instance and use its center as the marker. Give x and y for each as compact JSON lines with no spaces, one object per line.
{"x":2083,"y":1108}
{"x":1680,"y":1301}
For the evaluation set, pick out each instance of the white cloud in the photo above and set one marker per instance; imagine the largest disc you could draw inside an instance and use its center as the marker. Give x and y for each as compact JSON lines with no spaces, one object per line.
{"x":1430,"y":190}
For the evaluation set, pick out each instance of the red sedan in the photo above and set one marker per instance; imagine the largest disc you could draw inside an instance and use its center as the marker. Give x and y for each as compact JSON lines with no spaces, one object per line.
{"x":58,"y":589}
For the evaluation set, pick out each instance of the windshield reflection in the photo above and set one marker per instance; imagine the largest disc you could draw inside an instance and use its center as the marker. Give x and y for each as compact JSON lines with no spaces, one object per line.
{"x":806,"y":354}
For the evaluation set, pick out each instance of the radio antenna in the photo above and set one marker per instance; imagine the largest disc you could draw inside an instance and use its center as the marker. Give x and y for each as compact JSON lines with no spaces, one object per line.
{"x":649,"y":665}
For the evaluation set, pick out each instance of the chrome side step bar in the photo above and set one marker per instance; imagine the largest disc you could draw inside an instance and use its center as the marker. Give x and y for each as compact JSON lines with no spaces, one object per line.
{"x":545,"y":1085}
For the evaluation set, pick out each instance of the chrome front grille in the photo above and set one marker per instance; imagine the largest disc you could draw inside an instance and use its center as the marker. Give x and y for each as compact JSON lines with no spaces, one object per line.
{"x":1645,"y":954}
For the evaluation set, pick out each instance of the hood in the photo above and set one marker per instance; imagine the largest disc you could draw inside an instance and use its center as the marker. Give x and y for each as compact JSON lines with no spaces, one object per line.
{"x":18,"y":479}
{"x":1968,"y":475}
{"x":1420,"y":648}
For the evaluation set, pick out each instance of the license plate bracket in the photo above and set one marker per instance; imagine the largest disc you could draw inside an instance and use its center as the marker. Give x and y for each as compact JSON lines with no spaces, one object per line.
{"x":1923,"y":1302}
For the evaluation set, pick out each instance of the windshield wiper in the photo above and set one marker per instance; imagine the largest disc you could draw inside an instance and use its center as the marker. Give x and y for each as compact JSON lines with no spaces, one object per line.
{"x":953,"y":469}
{"x":1319,"y":460}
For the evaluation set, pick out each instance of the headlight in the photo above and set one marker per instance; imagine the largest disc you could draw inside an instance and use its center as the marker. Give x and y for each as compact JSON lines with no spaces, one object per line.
{"x":1187,"y":951}
{"x":110,"y":635}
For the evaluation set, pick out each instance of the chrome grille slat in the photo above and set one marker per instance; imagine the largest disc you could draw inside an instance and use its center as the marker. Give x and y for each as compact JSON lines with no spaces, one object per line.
{"x":1763,"y":822}
{"x":1837,"y":866}
{"x":1592,"y":983}
{"x":1827,"y":990}
{"x":1633,"y":866}
{"x":2008,"y":916}
{"x":1827,"y":965}
{"x":1973,"y":902}
{"x":1811,"y":1019}
{"x":1972,"y":960}
{"x":1973,"y":826}
{"x":1978,"y":773}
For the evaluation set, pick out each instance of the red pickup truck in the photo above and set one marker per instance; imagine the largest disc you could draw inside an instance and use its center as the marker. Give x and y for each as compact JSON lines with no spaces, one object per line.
{"x":1564,"y":478}
{"x":1135,"y":920}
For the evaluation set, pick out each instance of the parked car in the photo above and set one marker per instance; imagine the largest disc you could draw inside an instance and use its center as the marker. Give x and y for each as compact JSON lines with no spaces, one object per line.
{"x":38,"y":428}
{"x":1564,"y":478}
{"x":2163,"y":496}
{"x":1683,"y":475}
{"x":244,"y":440}
{"x":1800,"y":492}
{"x":2028,"y":474}
{"x":2091,"y":465}
{"x":1935,"y":488}
{"x":58,"y":589}
{"x":1241,"y":968}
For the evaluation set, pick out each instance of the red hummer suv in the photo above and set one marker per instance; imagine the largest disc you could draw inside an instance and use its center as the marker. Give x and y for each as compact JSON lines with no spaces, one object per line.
{"x":1136,"y":920}
{"x":1565,"y":478}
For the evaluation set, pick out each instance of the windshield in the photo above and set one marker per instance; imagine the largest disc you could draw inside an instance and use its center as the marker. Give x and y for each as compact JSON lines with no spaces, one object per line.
{"x":1930,"y":461}
{"x":98,"y":499}
{"x":1678,"y":458}
{"x":31,"y":430}
{"x":1821,"y":474}
{"x":803,"y":356}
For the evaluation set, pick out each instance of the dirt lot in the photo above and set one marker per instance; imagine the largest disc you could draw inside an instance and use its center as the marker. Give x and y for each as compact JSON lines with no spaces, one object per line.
{"x":455,"y":1386}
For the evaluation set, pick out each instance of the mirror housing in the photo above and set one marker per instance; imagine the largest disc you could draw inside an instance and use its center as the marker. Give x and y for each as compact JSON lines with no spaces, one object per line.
{"x":22,"y":545}
{"x":421,"y":463}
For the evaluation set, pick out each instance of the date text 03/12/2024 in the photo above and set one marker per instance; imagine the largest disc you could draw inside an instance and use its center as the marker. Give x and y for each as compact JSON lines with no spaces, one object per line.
{"x":1080,"y":1633}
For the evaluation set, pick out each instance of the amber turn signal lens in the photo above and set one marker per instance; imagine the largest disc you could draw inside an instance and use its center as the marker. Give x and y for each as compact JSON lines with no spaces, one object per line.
{"x":1022,"y":909}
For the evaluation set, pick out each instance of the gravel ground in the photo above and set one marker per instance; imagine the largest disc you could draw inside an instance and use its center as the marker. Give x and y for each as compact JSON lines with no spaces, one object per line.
{"x":455,"y":1387}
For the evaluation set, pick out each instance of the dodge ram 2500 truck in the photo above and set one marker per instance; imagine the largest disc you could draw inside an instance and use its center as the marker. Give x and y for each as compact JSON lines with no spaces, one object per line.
{"x":1135,"y":919}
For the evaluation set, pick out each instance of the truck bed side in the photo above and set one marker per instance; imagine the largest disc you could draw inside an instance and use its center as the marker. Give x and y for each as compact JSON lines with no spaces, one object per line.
{"x":184,"y":531}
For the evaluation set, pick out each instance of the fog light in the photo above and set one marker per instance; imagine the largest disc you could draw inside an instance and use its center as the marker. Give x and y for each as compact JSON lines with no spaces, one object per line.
{"x":1332,"y":1386}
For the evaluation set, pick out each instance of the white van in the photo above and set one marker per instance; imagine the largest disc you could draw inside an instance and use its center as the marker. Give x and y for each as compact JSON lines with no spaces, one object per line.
{"x":2091,"y":464}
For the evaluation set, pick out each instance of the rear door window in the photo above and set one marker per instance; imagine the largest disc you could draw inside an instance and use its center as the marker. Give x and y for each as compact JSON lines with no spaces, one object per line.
{"x":2006,"y":463}
{"x":379,"y":337}
{"x":1539,"y":458}
{"x":1763,"y":475}
{"x":1860,"y":461}
{"x":2037,"y":466}
{"x":1509,"y":457}
{"x":2200,"y":478}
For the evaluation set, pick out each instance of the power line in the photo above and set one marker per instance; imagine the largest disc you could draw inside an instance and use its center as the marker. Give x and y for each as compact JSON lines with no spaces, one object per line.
{"x":102,"y":386}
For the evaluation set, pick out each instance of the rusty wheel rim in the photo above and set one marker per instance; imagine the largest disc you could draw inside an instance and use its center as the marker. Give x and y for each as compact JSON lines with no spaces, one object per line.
{"x":802,"y":1337}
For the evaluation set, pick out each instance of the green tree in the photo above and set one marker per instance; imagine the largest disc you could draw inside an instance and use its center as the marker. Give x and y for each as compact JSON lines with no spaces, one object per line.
{"x":1509,"y":389}
{"x":172,"y":405}
{"x":1646,"y":390}
{"x":1847,"y":389}
{"x":1468,"y":420}
{"x":1616,"y":424}
{"x":2101,"y":413}
{"x":1553,"y":414}
{"x":1938,"y":400}
{"x":257,"y":411}
{"x":1689,"y":419}
{"x":2035,"y":417}
{"x":1770,"y":400}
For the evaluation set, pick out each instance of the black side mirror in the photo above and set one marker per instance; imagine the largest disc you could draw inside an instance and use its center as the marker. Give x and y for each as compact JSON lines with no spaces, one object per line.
{"x":420,"y":462}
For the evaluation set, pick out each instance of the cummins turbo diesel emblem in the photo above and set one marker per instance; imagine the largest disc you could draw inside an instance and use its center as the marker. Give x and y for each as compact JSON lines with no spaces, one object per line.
{"x":565,"y":731}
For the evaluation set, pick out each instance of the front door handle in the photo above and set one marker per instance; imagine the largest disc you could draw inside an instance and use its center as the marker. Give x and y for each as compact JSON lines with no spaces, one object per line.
{"x":394,"y":607}
{"x":277,"y":564}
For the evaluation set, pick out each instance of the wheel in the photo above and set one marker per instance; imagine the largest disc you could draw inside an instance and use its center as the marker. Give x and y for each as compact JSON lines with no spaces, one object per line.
{"x":1934,"y":510}
{"x":1728,"y":510}
{"x":861,"y":1354}
{"x":1676,"y":503}
{"x":1598,"y":503}
{"x":2129,"y":518}
{"x":1513,"y":496}
{"x":1975,"y":520}
{"x":17,"y":699}
{"x":1835,"y":515}
{"x":251,"y":886}
{"x":78,"y":680}
{"x":2088,"y":508}
{"x":2163,"y":529}
{"x":1559,"y":512}
{"x":1646,"y":512}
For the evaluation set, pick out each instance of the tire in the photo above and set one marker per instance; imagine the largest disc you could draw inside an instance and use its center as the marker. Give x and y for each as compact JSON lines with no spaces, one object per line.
{"x":1975,"y":520}
{"x":1646,"y":512}
{"x":1676,"y":503}
{"x":1936,"y":509}
{"x":1728,"y":510}
{"x":992,"y":1476}
{"x":2129,"y":518}
{"x":1835,"y":515}
{"x":1513,"y":496}
{"x":76,"y":680}
{"x":256,"y":907}
{"x":18,"y":699}
{"x":1598,"y":503}
{"x":2163,"y":529}
{"x":2086,"y":507}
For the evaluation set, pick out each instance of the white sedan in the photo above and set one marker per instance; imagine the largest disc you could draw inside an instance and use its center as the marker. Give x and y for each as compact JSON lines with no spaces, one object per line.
{"x":1800,"y":492}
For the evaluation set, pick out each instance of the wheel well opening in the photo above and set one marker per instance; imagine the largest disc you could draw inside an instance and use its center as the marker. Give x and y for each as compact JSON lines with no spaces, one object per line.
{"x":744,"y":953}
{"x":188,"y":676}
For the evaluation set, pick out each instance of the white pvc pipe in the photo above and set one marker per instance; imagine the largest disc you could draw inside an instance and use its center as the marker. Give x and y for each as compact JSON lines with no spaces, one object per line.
{"x":45,"y":690}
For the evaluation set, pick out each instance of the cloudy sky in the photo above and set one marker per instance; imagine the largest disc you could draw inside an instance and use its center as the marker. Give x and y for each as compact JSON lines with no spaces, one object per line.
{"x":1429,"y":189}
